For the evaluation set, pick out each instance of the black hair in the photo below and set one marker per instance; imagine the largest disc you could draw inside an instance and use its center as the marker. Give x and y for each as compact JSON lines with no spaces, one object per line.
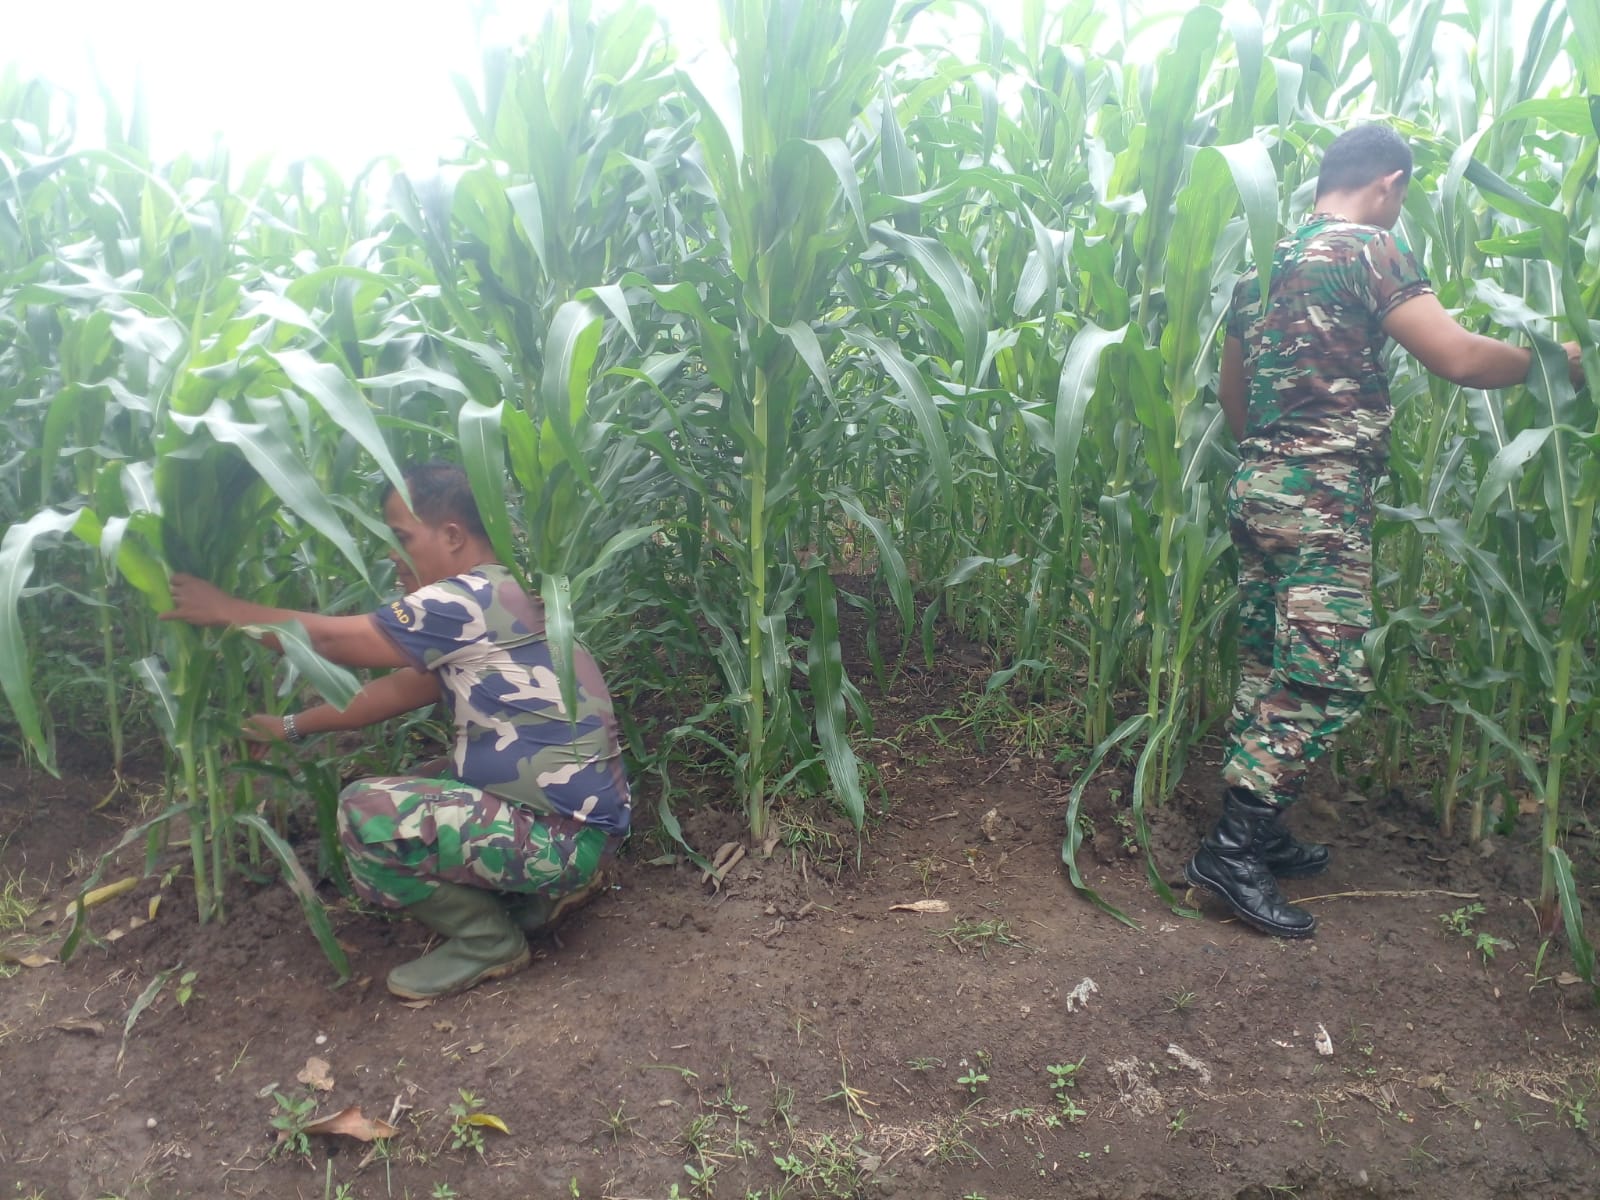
{"x":1358,"y":156}
{"x":441,"y":492}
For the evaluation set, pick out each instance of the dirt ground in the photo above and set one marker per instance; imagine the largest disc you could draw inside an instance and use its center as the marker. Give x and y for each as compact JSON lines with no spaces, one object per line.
{"x":794,"y":1034}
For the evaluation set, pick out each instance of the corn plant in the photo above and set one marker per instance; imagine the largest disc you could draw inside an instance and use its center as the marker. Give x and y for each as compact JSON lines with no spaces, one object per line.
{"x":842,"y":286}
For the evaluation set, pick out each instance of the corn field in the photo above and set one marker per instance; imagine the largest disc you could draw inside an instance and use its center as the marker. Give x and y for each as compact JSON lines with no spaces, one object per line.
{"x":840,"y":289}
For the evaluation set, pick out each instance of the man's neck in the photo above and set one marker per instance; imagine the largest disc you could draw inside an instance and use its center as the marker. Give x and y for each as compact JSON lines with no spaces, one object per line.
{"x":1347,"y":206}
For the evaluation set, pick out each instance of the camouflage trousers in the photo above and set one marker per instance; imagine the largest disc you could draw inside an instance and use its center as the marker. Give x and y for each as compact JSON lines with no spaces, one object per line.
{"x":1303,"y":532}
{"x":403,"y":835}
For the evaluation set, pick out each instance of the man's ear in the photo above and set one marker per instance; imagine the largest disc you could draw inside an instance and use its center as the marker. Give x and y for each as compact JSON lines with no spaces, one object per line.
{"x":1395,"y":180}
{"x":455,"y":535}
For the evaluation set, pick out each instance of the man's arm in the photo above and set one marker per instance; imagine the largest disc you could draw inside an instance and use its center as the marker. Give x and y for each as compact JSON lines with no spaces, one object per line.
{"x":1422,"y":326}
{"x":351,"y":641}
{"x":395,"y":693}
{"x":1230,"y":387}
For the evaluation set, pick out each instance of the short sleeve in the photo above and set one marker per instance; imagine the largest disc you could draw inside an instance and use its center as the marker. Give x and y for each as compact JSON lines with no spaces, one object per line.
{"x":1246,"y":299}
{"x":435,"y":625}
{"x":1391,"y":274}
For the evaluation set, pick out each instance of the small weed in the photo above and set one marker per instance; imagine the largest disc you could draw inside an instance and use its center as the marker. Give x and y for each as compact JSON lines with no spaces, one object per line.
{"x":465,"y":1133}
{"x":950,"y":1145}
{"x":700,"y":1177}
{"x":1460,"y":921}
{"x":443,"y":1191}
{"x":1574,"y":1111}
{"x":782,"y":1105}
{"x":696,"y":1136}
{"x":290,"y":1120}
{"x":185,"y":991}
{"x":823,"y":1166}
{"x":973,"y":1080}
{"x":855,"y":1100}
{"x":924,"y":1064}
{"x":1180,"y":1000}
{"x":1420,"y":1159}
{"x":1063,"y":1079}
{"x":726,"y":1102}
{"x":1124,"y":823}
{"x":1176,"y":1125}
{"x":617,"y":1124}
{"x":15,"y":906}
{"x":1487,"y":944}
{"x":965,"y":934}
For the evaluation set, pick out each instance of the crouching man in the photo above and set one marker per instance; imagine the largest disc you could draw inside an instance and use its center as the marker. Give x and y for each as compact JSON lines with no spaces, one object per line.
{"x":511,"y":834}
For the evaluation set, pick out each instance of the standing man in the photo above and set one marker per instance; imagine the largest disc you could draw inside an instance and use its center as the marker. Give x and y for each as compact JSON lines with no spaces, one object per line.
{"x":532,"y":801}
{"x":1305,"y":392}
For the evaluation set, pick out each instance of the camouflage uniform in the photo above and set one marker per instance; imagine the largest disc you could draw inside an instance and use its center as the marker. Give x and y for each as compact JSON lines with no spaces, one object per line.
{"x":1300,"y":504}
{"x":535,"y":798}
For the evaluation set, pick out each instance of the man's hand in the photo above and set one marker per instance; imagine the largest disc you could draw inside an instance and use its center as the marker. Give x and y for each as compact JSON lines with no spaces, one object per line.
{"x":1574,"y":362}
{"x":262,"y":731}
{"x":200,"y":603}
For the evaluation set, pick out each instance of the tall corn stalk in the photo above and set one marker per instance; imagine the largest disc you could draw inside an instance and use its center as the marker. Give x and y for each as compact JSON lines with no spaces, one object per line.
{"x":701,"y":328}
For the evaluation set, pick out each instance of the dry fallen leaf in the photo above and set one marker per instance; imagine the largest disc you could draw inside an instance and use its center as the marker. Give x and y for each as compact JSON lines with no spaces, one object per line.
{"x":990,"y":824}
{"x":315,"y":1074}
{"x":98,"y":896}
{"x":25,"y":959}
{"x":348,"y":1122}
{"x":489,"y":1120}
{"x":445,"y":1026}
{"x":123,"y":931}
{"x":81,"y":1025}
{"x":110,"y":891}
{"x":724,"y":860}
{"x":1568,"y":979}
{"x":922,"y":906}
{"x":1324,"y":1042}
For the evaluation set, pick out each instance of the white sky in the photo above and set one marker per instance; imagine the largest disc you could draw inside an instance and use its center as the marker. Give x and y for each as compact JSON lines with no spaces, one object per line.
{"x":346,"y":80}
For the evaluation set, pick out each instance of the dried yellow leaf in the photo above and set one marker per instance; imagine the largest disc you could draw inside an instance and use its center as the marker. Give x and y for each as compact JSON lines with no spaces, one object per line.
{"x":110,"y":891}
{"x":490,"y":1121}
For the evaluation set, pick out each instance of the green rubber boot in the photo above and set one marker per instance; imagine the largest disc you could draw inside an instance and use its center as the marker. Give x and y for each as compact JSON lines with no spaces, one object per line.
{"x":481,"y":943}
{"x":534,"y":914}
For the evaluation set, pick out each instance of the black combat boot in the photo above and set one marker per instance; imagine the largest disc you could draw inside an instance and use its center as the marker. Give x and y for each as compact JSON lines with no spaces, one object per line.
{"x":1229,"y":863}
{"x":1287,"y":858}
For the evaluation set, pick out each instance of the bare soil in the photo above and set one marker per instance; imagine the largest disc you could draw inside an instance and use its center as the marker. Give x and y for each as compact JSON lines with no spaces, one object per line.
{"x":795,"y":1030}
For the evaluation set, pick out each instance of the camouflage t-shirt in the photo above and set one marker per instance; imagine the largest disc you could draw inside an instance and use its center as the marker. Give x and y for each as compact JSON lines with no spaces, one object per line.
{"x":1315,"y":382}
{"x":484,"y":637}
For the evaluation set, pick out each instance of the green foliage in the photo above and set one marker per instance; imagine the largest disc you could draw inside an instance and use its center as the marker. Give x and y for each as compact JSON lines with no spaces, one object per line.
{"x":847,"y":307}
{"x":290,"y":1118}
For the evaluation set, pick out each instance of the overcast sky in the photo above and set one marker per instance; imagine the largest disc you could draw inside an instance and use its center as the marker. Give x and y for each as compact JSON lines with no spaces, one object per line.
{"x":347,"y":80}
